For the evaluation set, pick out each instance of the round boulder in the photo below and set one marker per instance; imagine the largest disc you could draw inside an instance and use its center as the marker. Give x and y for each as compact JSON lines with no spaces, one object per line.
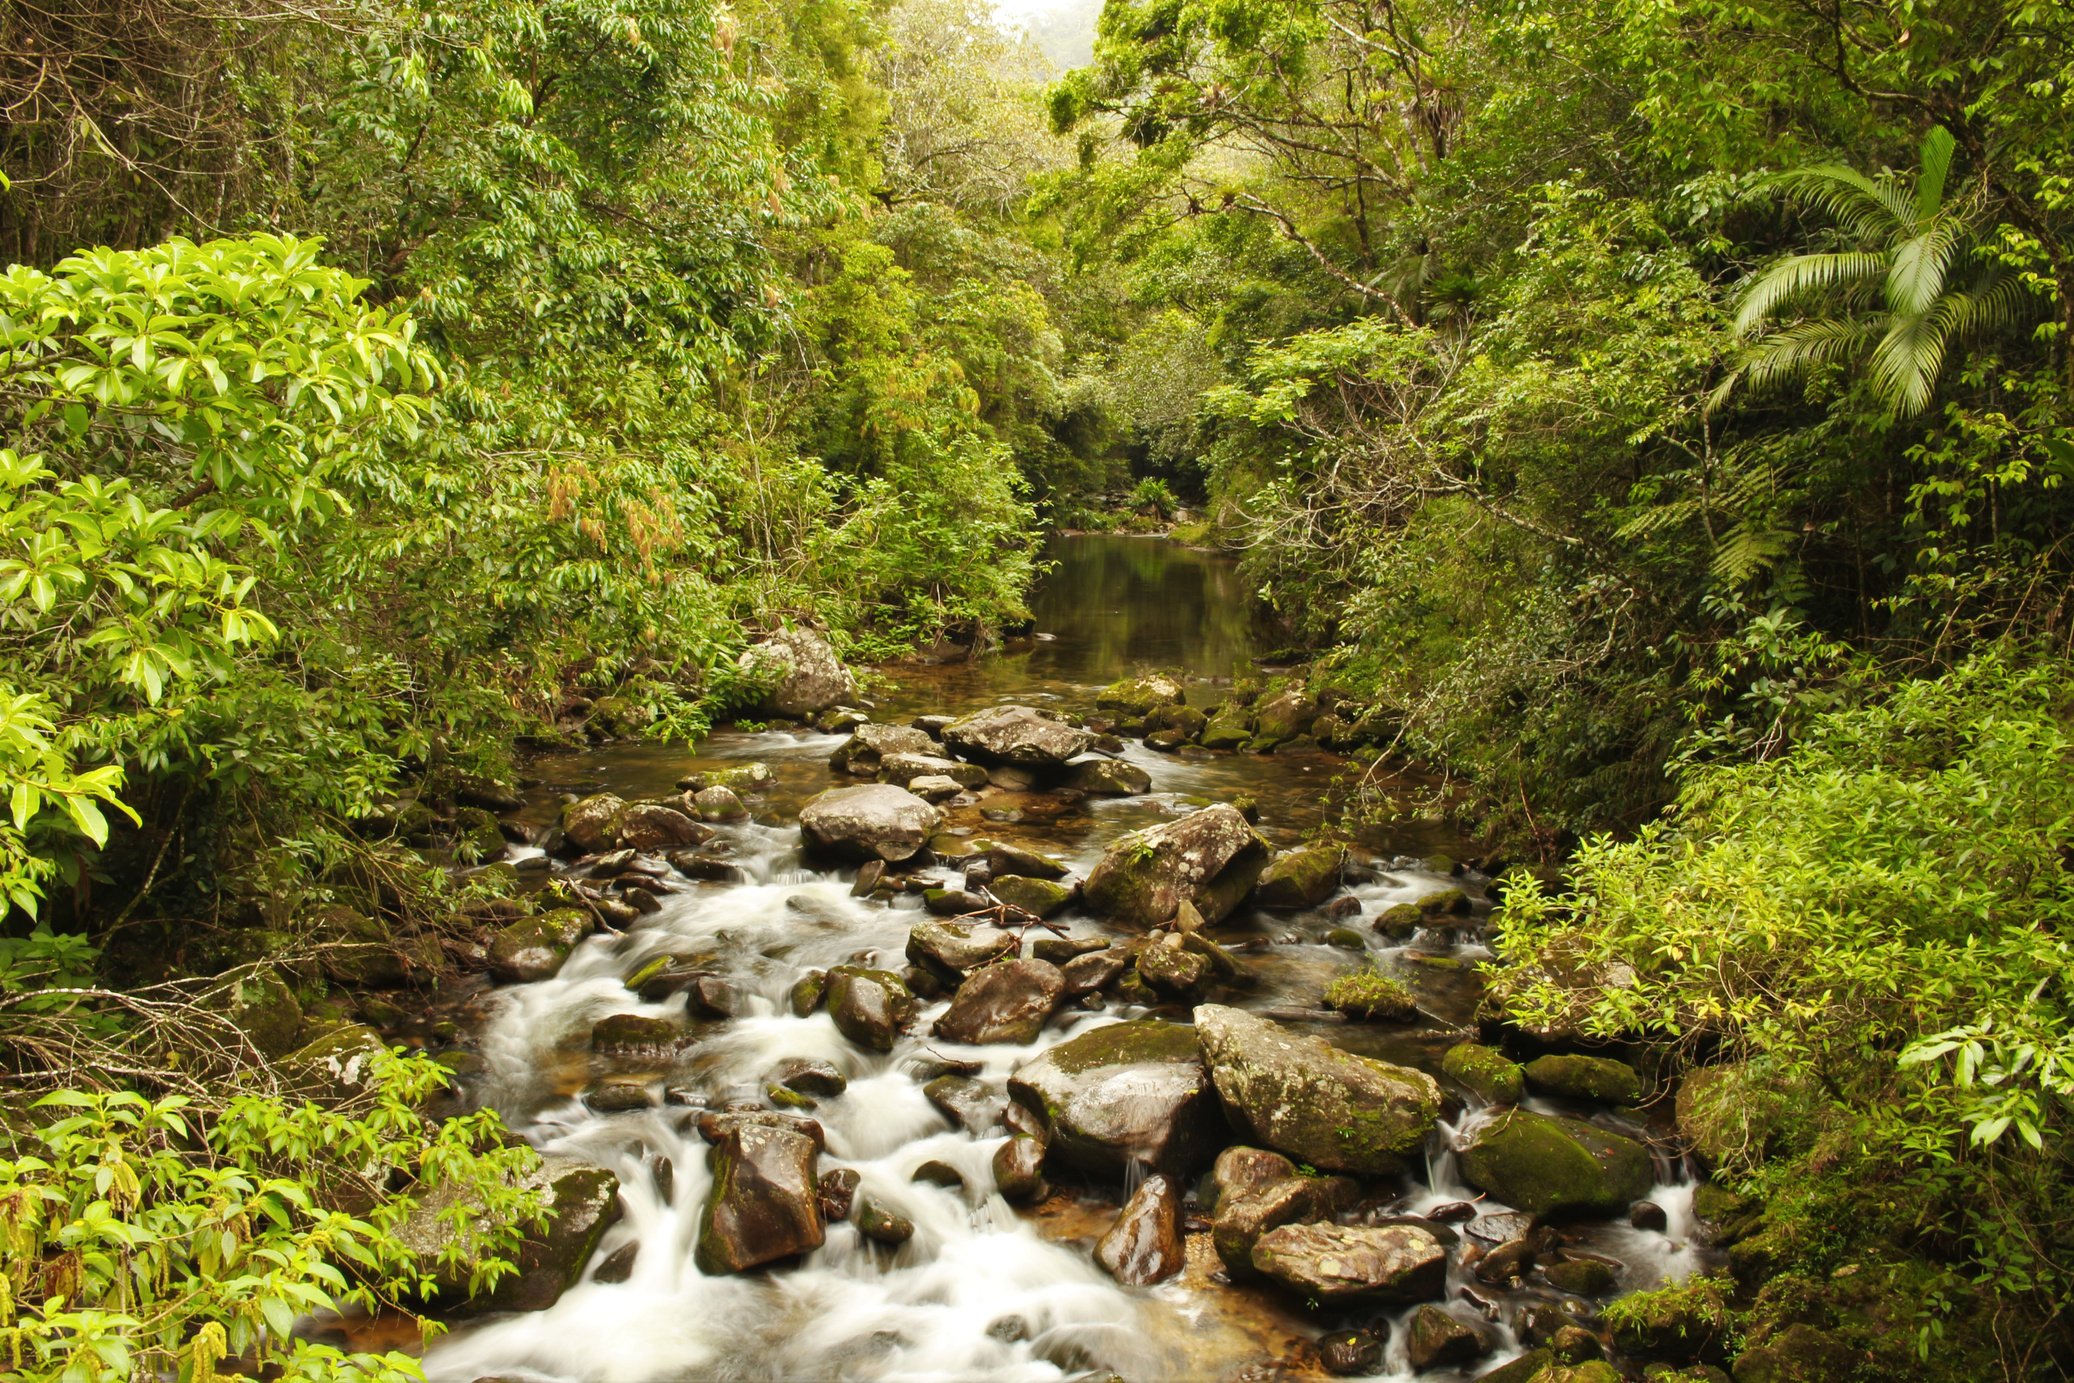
{"x":870,"y":821}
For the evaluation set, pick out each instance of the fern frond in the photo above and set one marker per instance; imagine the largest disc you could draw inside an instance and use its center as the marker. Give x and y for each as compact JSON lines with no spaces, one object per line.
{"x":1799,"y":348}
{"x":1935,"y":167}
{"x":1796,"y":275}
{"x":1908,"y":359}
{"x":1864,"y":209}
{"x":1922,"y":265}
{"x":1747,"y":550}
{"x":1658,"y":517}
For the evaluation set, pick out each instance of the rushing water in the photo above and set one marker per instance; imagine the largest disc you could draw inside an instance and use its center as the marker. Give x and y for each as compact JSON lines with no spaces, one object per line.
{"x":981,"y":1290}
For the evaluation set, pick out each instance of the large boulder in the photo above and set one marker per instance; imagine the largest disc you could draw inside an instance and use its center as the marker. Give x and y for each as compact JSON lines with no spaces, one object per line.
{"x":1123,"y":1095}
{"x":1304,"y":1097}
{"x":1144,"y":1245}
{"x":1282,"y":717}
{"x":258,"y":1003}
{"x":763,"y":1205}
{"x":867,"y":822}
{"x":1110,"y":778}
{"x":1552,"y":1166}
{"x":1208,"y":859}
{"x":534,"y":948}
{"x":799,"y":672}
{"x":1329,"y":1262}
{"x":1005,"y":1002}
{"x":658,"y":826}
{"x":582,"y":1203}
{"x":1576,"y":1077}
{"x":1301,"y":878}
{"x":1016,"y":735}
{"x":865,"y":752}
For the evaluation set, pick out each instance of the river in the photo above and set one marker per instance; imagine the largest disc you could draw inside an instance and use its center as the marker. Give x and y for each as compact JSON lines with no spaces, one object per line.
{"x":982,"y":1290}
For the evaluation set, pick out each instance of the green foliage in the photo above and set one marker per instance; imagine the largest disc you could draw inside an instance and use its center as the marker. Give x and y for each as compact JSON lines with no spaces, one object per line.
{"x":1877,"y":920}
{"x":1370,"y":995}
{"x":146,"y":1238}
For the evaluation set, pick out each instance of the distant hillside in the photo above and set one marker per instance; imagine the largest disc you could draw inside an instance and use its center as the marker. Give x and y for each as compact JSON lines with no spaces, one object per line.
{"x":1063,"y":29}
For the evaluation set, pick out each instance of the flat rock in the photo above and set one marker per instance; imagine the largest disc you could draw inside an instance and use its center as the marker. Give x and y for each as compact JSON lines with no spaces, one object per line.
{"x":1123,"y":1095}
{"x":1005,"y":1002}
{"x":1328,"y":1262}
{"x":1018,"y":735}
{"x":869,"y":821}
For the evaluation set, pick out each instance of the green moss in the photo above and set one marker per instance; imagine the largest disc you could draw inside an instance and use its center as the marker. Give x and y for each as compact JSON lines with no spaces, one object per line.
{"x":1370,"y":995}
{"x":1687,"y":1320}
{"x":1585,"y":1078}
{"x":1552,"y":1166}
{"x":1484,"y":1071}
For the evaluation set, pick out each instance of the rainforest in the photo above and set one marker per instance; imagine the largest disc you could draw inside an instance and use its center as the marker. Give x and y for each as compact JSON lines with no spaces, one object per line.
{"x":696,"y":691}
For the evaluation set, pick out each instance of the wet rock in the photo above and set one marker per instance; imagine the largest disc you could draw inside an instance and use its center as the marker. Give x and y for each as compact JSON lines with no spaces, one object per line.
{"x":952,"y":902}
{"x":711,"y":868}
{"x":534,"y":948}
{"x":1005,"y":1002}
{"x":1574,"y":1077}
{"x":1554,"y":1166}
{"x":807,"y":992}
{"x":583,"y":1202}
{"x":740,"y":778}
{"x":836,"y":1191}
{"x":905,"y":767}
{"x":1281,"y":717}
{"x":716,"y":1126}
{"x":970,"y":1104}
{"x":1209,"y":859}
{"x":1110,"y":778}
{"x":936,"y":1172}
{"x":619,"y":1094}
{"x":800,"y":673}
{"x":1434,"y":1339}
{"x":1174,"y":970}
{"x":1019,"y":1169}
{"x":870,"y":821}
{"x":809,"y":1077}
{"x":1140,"y":696}
{"x":713,"y":997}
{"x":1144,"y":1245}
{"x":1301,"y":878}
{"x":1443,"y":902}
{"x":864,"y":753}
{"x":1229,"y":727}
{"x":1582,"y":1276}
{"x":881,"y":1225}
{"x":1020,"y":859}
{"x":1042,"y":897}
{"x":1125,"y":1093}
{"x":1018,"y":735}
{"x":1302,"y":1096}
{"x":764,"y":1204}
{"x":1527,"y":1368}
{"x":870,"y":1007}
{"x":719,"y":804}
{"x":1485,"y":1072}
{"x":1398,"y":921}
{"x":653,"y":826}
{"x":591,"y":824}
{"x":1244,"y":1213}
{"x":1329,"y":1262}
{"x":1348,"y":1352}
{"x":1093,"y":972}
{"x":1508,"y":1263}
{"x":628,"y":1034}
{"x":618,"y":1266}
{"x":1648,"y":1215}
{"x":1061,"y":950}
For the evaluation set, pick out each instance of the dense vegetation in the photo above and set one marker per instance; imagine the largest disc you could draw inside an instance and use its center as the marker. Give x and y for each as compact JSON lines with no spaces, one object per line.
{"x":1638,"y":407}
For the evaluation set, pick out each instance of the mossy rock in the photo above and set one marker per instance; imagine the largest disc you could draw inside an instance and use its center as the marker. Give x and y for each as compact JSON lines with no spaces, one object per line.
{"x":1685,"y":1323}
{"x":1301,"y":878}
{"x":1524,"y":1369}
{"x":1727,"y":1115}
{"x":1485,"y":1071}
{"x":535,"y":948}
{"x":1372,"y":997}
{"x":1140,"y":696}
{"x":1186,"y":721}
{"x":1553,"y":1166}
{"x":259,"y":1003}
{"x":1044,"y":897}
{"x":1229,"y":728}
{"x":1576,"y":1077}
{"x":1798,"y":1354}
{"x":1443,"y":902}
{"x":870,"y":1007}
{"x":1399,"y":920}
{"x":592,"y":824}
{"x":477,"y":837}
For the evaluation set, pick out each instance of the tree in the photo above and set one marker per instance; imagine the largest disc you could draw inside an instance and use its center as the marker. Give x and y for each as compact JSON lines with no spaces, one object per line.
{"x":1910,"y":280}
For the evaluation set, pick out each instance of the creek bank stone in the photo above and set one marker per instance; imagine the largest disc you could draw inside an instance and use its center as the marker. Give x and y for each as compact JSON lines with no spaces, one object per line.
{"x":583,"y":1202}
{"x":1125,"y":1094}
{"x":1144,"y":1245}
{"x":800,"y":672}
{"x":1016,"y":735}
{"x":1435,"y":1339}
{"x":869,"y":821}
{"x":1329,"y":1262}
{"x":1008,"y":1001}
{"x":1546,"y":1165}
{"x":1019,"y":1169}
{"x":765,"y":1201}
{"x":1110,"y":778}
{"x":1208,"y":859}
{"x":1304,"y":1097}
{"x":591,"y":824}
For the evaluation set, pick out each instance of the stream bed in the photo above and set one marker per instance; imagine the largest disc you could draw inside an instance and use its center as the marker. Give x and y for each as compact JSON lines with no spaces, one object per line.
{"x":982,"y":1289}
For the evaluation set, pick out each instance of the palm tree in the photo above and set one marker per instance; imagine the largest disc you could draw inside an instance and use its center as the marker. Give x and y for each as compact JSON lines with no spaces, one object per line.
{"x":1912,"y":281}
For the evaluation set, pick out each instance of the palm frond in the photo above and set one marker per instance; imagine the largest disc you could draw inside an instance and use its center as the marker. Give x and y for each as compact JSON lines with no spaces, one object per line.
{"x":1799,"y":274}
{"x":1865,"y":209}
{"x":1922,"y":265}
{"x":1995,"y":300}
{"x":1936,"y":166}
{"x":1908,"y":359}
{"x":1801,"y":347}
